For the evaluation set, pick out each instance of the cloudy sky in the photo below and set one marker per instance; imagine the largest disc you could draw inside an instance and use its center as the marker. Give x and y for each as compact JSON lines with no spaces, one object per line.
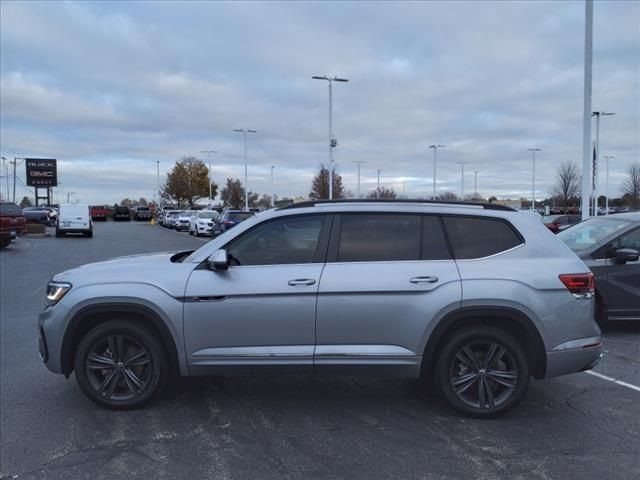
{"x":109,"y":88}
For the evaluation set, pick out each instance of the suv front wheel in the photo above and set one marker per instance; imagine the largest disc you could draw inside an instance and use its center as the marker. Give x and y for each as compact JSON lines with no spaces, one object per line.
{"x":482,"y":371}
{"x":121,"y":365}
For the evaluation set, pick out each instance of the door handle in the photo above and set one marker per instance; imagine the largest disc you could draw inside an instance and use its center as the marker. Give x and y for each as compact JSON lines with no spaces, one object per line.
{"x":423,"y":279}
{"x":301,"y":281}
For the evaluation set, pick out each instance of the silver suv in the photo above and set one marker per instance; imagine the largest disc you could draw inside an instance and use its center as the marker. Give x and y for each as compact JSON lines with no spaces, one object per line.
{"x":474,"y":298}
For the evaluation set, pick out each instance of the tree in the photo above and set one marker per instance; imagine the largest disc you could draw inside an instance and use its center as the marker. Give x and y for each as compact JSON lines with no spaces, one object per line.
{"x":233,"y":194}
{"x":188,"y":182}
{"x":263,"y":202}
{"x":448,"y":197}
{"x":567,"y":186}
{"x":142,"y":202}
{"x":25,"y":202}
{"x":320,"y":185}
{"x":382,"y":192}
{"x":631,"y":185}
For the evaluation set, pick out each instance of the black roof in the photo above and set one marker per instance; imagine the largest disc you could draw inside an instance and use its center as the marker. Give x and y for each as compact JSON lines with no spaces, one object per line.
{"x":312,"y":203}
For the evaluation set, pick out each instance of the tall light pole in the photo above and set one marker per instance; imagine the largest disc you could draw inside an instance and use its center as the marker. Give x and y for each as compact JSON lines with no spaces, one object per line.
{"x":332,"y":142}
{"x":158,"y":175}
{"x":359,"y":162}
{"x":379,"y":170}
{"x":246,"y":186}
{"x":435,"y":155}
{"x":533,"y":176}
{"x":462,"y":164}
{"x":606,"y":201}
{"x":597,"y":159}
{"x":69,"y":196}
{"x":273,"y":192}
{"x":209,"y":152}
{"x":475,"y":184}
{"x":6,"y":174}
{"x":586,"y":112}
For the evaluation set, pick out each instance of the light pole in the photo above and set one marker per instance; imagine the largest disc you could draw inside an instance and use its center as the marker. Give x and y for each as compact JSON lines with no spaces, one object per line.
{"x":158,"y":179}
{"x":246,"y":186}
{"x":462,"y":164}
{"x":533,"y":177}
{"x":209,"y":152}
{"x":586,"y":121}
{"x":606,"y":198}
{"x":359,"y":162}
{"x":597,"y":159}
{"x":435,"y":154}
{"x":332,"y":142}
{"x":379,"y":170}
{"x":475,"y":184}
{"x":69,"y":195}
{"x":6,"y":173}
{"x":273,"y":192}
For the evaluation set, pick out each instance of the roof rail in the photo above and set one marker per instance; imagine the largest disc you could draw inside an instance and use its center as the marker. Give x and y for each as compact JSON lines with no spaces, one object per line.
{"x":313,"y":203}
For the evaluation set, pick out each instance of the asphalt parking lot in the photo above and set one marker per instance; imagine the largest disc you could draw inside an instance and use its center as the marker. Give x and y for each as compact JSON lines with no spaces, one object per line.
{"x":579,"y":426}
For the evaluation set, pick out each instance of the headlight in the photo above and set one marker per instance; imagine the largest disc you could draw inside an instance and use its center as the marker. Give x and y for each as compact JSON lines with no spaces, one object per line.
{"x":56,"y":290}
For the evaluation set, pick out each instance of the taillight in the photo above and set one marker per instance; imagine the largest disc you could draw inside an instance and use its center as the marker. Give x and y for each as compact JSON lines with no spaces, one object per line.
{"x":580,"y":284}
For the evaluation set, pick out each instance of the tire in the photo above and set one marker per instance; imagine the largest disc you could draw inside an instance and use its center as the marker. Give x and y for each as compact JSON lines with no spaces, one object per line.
{"x":137,"y":382}
{"x":5,"y":242}
{"x":89,"y":233}
{"x":59,"y":233}
{"x":467,"y":359}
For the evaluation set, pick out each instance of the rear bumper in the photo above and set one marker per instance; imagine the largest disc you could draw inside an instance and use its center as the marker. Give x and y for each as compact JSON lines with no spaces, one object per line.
{"x":562,"y":362}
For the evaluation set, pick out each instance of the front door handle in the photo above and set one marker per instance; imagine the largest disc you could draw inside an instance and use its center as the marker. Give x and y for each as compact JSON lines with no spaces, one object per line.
{"x":423,"y":279}
{"x":301,"y":281}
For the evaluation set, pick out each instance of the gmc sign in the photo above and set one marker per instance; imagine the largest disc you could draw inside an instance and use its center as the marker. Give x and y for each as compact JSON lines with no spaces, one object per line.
{"x":41,"y":172}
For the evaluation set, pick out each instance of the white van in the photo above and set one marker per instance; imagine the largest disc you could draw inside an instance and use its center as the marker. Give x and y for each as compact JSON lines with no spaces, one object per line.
{"x":74,"y":219}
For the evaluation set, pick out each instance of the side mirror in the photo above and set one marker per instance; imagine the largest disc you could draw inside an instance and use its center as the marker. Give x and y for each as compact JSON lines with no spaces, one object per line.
{"x":218,"y":261}
{"x":624,"y":255}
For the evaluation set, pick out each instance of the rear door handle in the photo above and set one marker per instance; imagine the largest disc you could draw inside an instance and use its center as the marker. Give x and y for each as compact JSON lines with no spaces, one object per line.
{"x":423,"y":279}
{"x":301,"y":281}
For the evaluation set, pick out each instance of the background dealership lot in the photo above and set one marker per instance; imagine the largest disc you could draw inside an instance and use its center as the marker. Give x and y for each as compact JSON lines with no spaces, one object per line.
{"x":578,"y":426}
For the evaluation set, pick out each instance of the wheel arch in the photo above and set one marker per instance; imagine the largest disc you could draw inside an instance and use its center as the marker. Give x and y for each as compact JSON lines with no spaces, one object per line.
{"x":510,"y":319}
{"x":93,"y":315}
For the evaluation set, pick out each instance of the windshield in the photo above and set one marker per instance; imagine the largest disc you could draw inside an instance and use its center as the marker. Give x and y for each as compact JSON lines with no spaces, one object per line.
{"x":238,"y":217}
{"x":207,"y":215}
{"x":10,"y":209}
{"x":591,"y":231}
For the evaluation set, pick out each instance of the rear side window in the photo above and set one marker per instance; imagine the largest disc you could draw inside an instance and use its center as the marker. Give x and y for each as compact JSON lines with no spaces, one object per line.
{"x":10,"y":209}
{"x":473,"y":237}
{"x":381,"y":237}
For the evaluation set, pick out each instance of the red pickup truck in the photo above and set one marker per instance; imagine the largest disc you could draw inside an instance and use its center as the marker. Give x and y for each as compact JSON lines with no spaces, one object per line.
{"x":98,"y":212}
{"x":12,"y":223}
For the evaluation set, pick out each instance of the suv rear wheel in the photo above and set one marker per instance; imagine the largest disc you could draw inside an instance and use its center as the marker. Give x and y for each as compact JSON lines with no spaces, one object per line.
{"x":482,"y":371}
{"x":121,"y":365}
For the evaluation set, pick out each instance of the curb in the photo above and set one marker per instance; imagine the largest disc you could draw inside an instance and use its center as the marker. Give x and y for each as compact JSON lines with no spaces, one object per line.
{"x":36,"y":235}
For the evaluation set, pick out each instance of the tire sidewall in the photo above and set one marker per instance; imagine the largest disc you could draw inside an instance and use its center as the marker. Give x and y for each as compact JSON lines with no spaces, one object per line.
{"x":455,"y":342}
{"x":142,"y":335}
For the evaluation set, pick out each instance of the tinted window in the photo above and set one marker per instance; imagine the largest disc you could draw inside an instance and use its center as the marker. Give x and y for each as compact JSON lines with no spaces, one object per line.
{"x":283,"y":241}
{"x":379,"y":237}
{"x":10,"y":209}
{"x":239,"y":217}
{"x":479,"y":237}
{"x":434,"y":245}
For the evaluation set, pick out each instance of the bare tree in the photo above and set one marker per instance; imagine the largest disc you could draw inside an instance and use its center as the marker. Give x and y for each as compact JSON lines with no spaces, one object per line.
{"x":233,"y":194}
{"x":448,"y":197}
{"x":631,"y":185}
{"x":382,"y":192}
{"x":567,"y":186}
{"x":320,"y":185}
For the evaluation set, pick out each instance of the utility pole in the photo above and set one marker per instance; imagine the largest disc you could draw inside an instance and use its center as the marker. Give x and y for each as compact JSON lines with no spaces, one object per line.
{"x":246,"y":186}
{"x":6,"y":176}
{"x":209,"y":152}
{"x":597,"y":159}
{"x":332,"y":141}
{"x":273,"y":192}
{"x":475,"y":184}
{"x":359,"y":162}
{"x":533,"y":177}
{"x":14,"y":179}
{"x":606,"y":198}
{"x":462,"y":164}
{"x":435,"y":155}
{"x":158,"y":175}
{"x":586,"y":113}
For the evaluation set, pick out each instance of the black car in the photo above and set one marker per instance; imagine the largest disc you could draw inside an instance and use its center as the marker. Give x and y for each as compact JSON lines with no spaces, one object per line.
{"x":121,"y":213}
{"x":229,"y":219}
{"x":610,"y":246}
{"x":141,"y":213}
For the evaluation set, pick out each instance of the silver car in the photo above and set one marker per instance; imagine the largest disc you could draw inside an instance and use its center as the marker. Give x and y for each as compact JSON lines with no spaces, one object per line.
{"x":475,"y":299}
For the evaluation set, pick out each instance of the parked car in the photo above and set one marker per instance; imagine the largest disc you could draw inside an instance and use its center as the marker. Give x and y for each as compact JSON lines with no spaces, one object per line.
{"x":171,"y":217}
{"x":74,"y":218}
{"x":556,"y":223}
{"x":121,"y":213}
{"x":39,"y":215}
{"x":201,"y":222}
{"x":183,"y":220}
{"x":229,"y":219}
{"x":610,"y":247}
{"x":474,"y":298}
{"x":141,"y":213}
{"x":98,"y":212}
{"x":12,"y":223}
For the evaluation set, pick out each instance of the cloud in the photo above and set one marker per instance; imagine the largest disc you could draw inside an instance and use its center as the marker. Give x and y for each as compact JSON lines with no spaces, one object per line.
{"x":120,"y":85}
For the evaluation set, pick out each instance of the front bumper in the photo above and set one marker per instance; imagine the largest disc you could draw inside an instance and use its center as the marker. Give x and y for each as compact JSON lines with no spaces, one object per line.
{"x":572,"y":360}
{"x":51,"y":323}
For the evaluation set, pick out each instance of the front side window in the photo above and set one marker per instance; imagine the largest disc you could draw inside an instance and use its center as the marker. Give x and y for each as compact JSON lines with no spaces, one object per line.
{"x":475,"y":237}
{"x":628,"y":240}
{"x":278,"y":242}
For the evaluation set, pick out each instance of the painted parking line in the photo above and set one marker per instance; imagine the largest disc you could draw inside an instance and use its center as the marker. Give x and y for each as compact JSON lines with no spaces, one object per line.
{"x":611,"y":379}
